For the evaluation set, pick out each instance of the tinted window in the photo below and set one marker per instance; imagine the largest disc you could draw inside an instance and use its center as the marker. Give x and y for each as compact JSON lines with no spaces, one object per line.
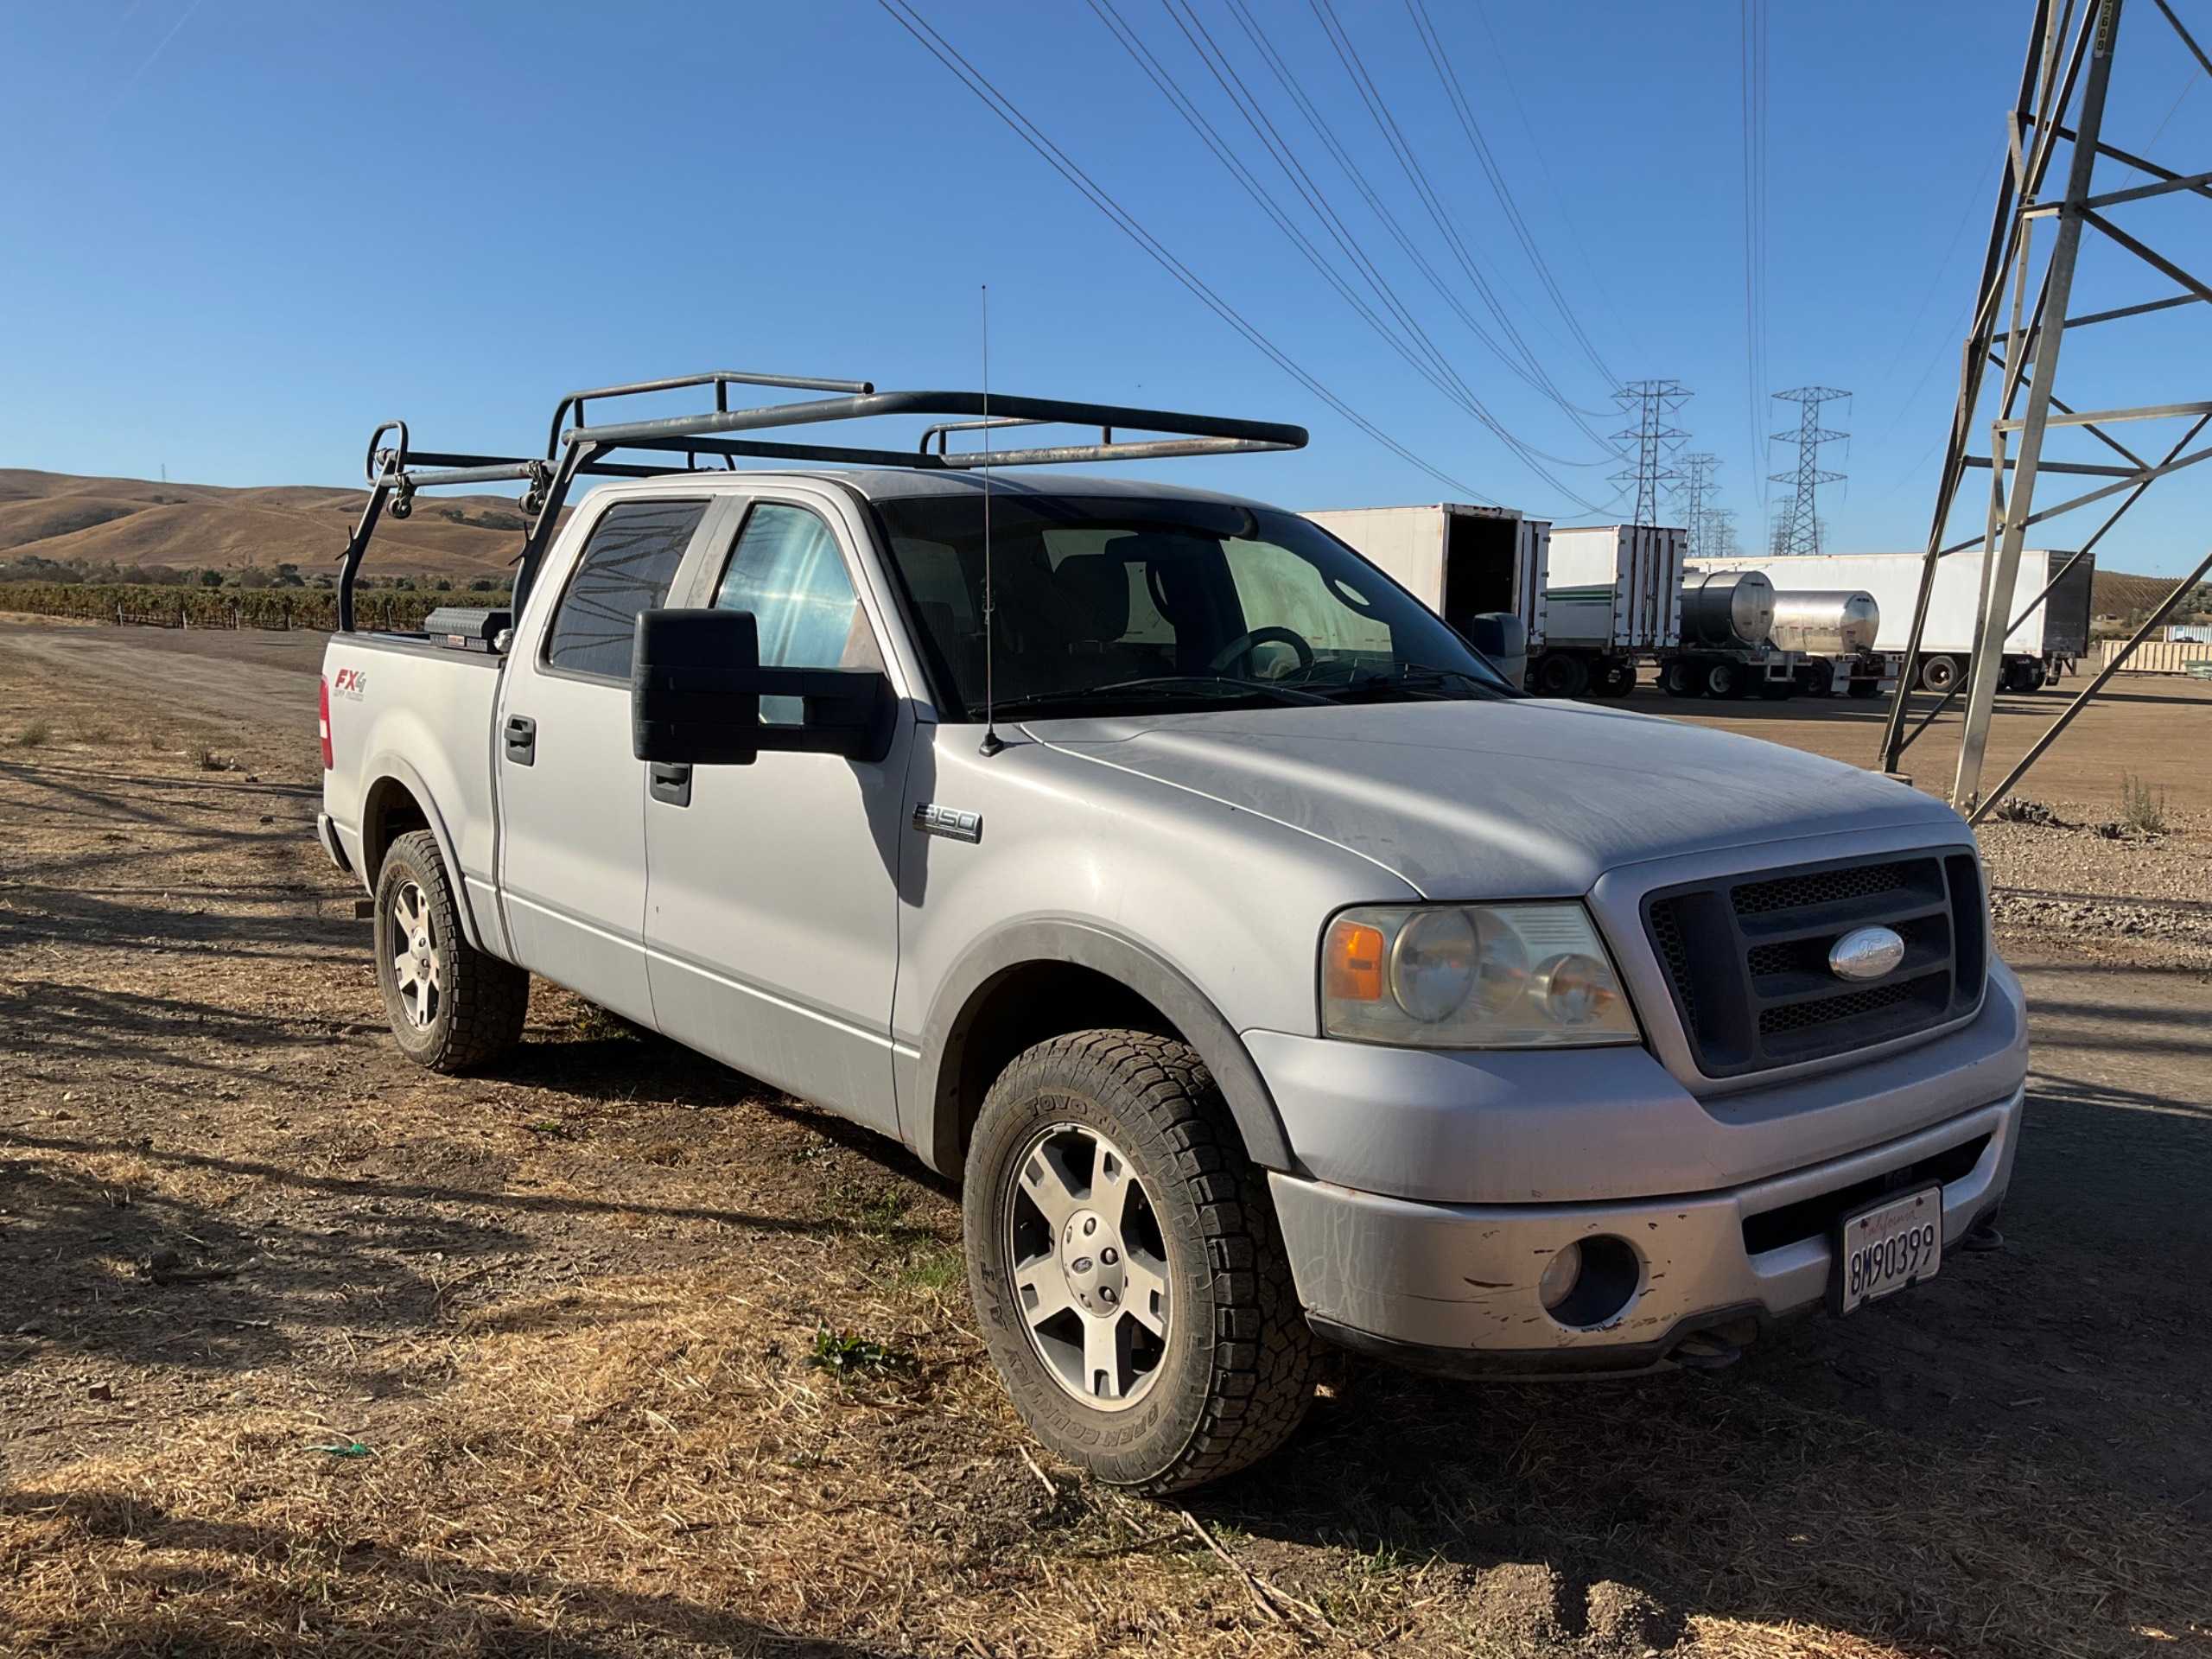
{"x":1111,"y":592}
{"x":787,"y":570}
{"x":626,"y":567}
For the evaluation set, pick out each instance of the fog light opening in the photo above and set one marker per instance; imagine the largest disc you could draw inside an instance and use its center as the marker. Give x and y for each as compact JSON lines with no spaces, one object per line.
{"x":1591,"y":1281}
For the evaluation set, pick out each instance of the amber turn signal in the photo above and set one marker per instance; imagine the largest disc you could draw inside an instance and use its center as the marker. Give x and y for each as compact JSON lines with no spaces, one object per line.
{"x":1352,"y":962}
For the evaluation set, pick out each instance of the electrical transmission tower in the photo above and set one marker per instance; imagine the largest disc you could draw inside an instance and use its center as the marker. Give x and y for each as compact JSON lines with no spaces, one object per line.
{"x":1698,"y":487}
{"x":1798,"y":530}
{"x":1650,"y":407}
{"x":2024,"y":313}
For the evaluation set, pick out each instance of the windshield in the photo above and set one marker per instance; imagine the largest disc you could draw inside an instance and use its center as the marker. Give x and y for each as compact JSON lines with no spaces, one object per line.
{"x":1109,"y":601}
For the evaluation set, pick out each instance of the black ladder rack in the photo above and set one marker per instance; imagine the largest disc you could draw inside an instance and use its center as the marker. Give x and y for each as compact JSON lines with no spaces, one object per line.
{"x":395,"y":470}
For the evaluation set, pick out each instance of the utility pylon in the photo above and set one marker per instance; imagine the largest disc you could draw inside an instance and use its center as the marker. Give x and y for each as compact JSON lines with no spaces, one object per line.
{"x":1697,"y":489}
{"x":1799,"y":529}
{"x":2020,"y":321}
{"x":1650,"y":406}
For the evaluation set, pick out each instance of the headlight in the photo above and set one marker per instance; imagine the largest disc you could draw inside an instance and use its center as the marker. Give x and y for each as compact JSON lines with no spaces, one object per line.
{"x":1472,"y":976}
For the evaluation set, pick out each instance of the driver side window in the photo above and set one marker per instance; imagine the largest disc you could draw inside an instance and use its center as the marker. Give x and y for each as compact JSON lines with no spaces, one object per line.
{"x":788,"y":570}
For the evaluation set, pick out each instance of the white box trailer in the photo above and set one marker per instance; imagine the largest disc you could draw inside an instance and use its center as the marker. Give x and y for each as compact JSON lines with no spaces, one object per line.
{"x":1615,"y":596}
{"x":1460,"y":560}
{"x":2044,"y":646}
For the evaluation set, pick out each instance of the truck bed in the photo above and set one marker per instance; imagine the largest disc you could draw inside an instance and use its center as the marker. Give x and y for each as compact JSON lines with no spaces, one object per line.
{"x":408,"y":706}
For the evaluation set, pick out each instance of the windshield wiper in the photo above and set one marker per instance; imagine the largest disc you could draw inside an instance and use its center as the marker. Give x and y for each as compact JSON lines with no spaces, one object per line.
{"x":1164,"y":685}
{"x":1423,"y":678}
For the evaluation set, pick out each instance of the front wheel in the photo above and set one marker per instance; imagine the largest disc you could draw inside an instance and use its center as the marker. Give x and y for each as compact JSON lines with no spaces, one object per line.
{"x":452,"y":1007}
{"x":1134,"y":1292}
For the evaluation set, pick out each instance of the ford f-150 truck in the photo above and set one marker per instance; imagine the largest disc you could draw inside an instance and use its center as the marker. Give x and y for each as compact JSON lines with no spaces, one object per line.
{"x":1265,"y":967}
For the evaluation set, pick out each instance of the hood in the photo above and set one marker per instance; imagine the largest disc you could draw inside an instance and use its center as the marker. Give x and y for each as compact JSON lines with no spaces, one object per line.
{"x":1503,"y":800}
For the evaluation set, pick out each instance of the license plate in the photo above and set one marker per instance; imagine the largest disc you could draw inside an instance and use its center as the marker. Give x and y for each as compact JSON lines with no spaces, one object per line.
{"x":1899,"y":1241}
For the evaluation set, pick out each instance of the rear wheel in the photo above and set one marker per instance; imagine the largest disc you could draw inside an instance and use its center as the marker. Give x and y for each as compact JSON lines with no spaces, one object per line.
{"x":1722,"y":680}
{"x":1939,"y":674}
{"x":1559,"y":676}
{"x":1132,"y":1290}
{"x":452,"y":1007}
{"x":1614,"y":679}
{"x":1681,"y":680}
{"x":2038,"y":675}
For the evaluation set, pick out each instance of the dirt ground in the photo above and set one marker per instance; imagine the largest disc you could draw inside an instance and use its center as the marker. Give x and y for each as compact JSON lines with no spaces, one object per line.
{"x":303,"y":1350}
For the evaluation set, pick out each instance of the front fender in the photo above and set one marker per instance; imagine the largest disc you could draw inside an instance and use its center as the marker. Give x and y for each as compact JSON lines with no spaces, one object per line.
{"x":936,"y":1132}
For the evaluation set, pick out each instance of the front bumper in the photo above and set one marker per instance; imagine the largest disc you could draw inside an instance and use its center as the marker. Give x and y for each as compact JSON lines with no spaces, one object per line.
{"x":1432,"y":1282}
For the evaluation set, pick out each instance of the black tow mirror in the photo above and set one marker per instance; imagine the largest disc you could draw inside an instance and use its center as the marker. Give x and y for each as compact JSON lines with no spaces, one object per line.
{"x":695,"y":686}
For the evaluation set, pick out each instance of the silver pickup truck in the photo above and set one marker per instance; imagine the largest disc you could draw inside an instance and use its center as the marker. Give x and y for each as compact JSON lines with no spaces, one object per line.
{"x":1265,"y":966}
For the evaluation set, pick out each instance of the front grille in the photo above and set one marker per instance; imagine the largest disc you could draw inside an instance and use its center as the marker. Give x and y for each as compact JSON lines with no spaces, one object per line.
{"x":1747,"y":958}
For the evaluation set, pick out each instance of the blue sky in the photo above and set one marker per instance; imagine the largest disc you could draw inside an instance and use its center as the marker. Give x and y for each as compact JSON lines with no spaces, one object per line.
{"x":244,"y":232}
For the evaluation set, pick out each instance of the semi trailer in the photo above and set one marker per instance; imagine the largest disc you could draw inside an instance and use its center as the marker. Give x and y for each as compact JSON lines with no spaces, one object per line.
{"x":1727,"y":648}
{"x":1469,"y":565}
{"x":2045,"y":644}
{"x":1615,"y":598}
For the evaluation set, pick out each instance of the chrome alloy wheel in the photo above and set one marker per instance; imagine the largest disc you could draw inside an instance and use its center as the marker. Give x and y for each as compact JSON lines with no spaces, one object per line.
{"x":417,"y":970}
{"x":1087,"y":1258}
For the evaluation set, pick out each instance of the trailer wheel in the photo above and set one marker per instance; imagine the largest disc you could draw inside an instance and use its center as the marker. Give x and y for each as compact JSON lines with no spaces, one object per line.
{"x":1560,"y":675}
{"x":1939,"y":674}
{"x":1681,"y":680}
{"x":2038,"y":675}
{"x":1615,"y":678}
{"x":1722,"y":680}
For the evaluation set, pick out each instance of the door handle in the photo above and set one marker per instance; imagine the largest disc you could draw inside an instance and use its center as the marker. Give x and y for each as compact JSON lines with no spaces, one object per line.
{"x":522,"y":740}
{"x":670,"y":783}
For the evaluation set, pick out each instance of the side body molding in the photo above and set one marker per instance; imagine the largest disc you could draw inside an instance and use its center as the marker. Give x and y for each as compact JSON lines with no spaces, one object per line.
{"x":934,"y":1129}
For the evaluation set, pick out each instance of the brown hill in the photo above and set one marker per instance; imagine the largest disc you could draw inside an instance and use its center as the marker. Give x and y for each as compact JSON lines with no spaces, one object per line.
{"x":135,"y":521}
{"x":2117,"y":593}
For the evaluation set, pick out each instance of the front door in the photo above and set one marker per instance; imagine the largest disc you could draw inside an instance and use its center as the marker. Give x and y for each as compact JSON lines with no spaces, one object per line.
{"x":572,"y":796}
{"x":771,"y":918}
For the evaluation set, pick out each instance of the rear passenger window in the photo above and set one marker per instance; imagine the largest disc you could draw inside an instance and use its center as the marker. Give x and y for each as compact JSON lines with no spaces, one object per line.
{"x":626,"y":567}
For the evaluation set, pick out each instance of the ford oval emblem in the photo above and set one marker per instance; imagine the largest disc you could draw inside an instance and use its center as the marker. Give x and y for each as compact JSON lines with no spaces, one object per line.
{"x":1866,"y":953}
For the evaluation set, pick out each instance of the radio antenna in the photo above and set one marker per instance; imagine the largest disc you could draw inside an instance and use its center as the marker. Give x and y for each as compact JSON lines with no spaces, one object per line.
{"x":992,"y":742}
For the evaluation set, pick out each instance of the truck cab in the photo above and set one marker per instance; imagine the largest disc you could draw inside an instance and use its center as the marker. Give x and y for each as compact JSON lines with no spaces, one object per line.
{"x":1268,"y":969}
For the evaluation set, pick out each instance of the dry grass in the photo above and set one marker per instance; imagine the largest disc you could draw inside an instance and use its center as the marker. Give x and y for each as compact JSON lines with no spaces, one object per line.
{"x":659,"y":1465}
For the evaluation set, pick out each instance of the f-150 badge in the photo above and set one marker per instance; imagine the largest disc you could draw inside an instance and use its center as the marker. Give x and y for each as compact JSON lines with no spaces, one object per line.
{"x":955,"y":825}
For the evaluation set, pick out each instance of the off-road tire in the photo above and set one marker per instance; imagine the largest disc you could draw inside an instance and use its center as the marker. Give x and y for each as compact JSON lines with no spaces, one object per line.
{"x":1236,"y":1375}
{"x":483,"y":999}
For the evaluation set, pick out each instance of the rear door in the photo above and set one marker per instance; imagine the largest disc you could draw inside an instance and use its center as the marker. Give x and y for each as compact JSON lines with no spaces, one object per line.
{"x":572,"y":854}
{"x":772,"y":919}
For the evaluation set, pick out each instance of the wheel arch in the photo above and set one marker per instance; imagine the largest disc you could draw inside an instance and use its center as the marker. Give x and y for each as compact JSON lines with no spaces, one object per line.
{"x":395,"y":804}
{"x":1040,"y":979}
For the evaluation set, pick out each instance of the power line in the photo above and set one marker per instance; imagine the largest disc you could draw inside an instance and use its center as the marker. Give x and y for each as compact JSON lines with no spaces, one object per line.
{"x":1558,"y":197}
{"x":907,"y":17}
{"x":1439,"y":371}
{"x":1287,"y":78}
{"x":1457,"y":95}
{"x":1752,"y":62}
{"x":1378,"y":109}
